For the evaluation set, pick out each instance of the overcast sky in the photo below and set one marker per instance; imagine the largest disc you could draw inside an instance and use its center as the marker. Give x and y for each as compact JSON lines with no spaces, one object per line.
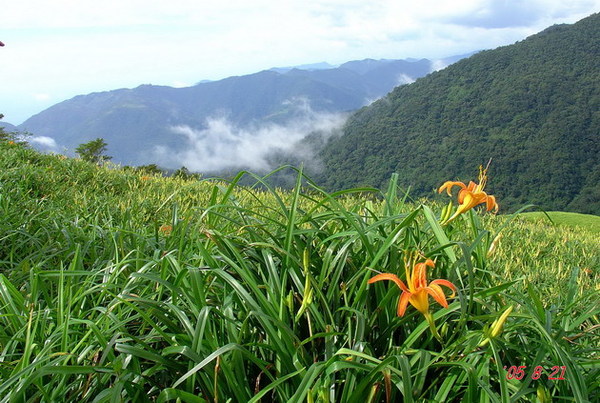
{"x":61,"y":48}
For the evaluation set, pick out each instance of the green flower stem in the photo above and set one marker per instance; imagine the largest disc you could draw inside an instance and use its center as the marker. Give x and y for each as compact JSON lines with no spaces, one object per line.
{"x":429,"y":318}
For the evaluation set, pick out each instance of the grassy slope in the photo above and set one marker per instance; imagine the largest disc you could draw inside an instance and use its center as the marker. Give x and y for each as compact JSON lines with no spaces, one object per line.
{"x":115,"y":285}
{"x":60,"y":189}
{"x":575,"y":220}
{"x":546,"y":255}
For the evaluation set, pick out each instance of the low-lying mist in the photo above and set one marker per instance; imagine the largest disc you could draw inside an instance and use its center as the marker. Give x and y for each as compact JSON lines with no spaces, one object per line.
{"x":260,"y":147}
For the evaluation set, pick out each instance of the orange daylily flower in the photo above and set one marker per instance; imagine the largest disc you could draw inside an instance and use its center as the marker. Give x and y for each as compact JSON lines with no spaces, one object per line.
{"x":417,"y":292}
{"x":166,"y":229}
{"x":470,"y":195}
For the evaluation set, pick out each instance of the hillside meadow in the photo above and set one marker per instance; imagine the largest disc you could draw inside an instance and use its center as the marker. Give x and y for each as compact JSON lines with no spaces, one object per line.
{"x":116,"y":285}
{"x":585,"y":222}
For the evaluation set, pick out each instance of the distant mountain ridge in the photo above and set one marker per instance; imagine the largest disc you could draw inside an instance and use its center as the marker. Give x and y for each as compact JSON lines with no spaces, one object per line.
{"x":310,"y":66}
{"x":7,"y":126}
{"x":532,"y":107}
{"x":134,"y":122}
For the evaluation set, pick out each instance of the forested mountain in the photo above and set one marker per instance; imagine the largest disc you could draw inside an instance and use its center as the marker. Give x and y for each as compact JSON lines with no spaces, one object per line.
{"x":135,"y":121}
{"x":532,"y":107}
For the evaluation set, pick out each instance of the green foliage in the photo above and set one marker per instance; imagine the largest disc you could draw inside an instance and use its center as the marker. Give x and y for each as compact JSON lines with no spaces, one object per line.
{"x":185,"y":173}
{"x":12,"y":137}
{"x":93,"y":151}
{"x":119,"y":286}
{"x":545,"y":253}
{"x":151,"y":169}
{"x":532,"y":107}
{"x":574,"y":220}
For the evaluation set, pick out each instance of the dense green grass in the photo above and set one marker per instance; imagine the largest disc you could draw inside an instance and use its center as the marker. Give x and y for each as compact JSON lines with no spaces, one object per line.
{"x":583,"y":221}
{"x":116,"y":286}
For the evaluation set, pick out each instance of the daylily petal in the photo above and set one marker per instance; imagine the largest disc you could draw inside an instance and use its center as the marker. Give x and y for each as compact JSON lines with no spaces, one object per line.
{"x":491,"y":203}
{"x":436,"y":292}
{"x":461,"y":195}
{"x":403,"y":302}
{"x":391,"y":277}
{"x":419,"y":276}
{"x":467,"y":204}
{"x":448,"y":186}
{"x":444,"y":283}
{"x":474,"y":199}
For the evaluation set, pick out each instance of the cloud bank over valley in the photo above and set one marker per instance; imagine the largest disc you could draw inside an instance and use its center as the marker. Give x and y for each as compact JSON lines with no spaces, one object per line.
{"x":223,"y":146}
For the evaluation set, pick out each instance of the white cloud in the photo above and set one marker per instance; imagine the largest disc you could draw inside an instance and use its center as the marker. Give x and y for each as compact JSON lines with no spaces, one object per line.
{"x":405,"y":79}
{"x":221,"y":145}
{"x":437,"y":65}
{"x":43,"y":142}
